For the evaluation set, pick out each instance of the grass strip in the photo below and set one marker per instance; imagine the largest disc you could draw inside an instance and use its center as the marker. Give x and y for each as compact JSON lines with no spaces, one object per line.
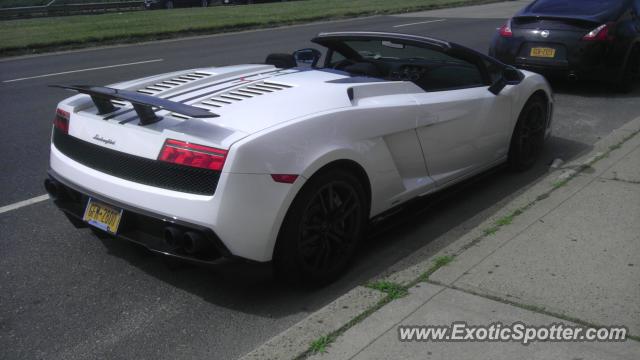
{"x":56,"y":33}
{"x":393,"y":290}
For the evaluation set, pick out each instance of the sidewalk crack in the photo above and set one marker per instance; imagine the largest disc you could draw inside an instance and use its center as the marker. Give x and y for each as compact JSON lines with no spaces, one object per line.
{"x":626,"y":181}
{"x":530,"y":307}
{"x":397,"y":323}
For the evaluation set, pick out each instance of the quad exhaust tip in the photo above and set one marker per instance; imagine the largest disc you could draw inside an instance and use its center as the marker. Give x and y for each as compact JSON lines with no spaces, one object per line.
{"x":194,"y":243}
{"x":191,"y":242}
{"x":173,"y":237}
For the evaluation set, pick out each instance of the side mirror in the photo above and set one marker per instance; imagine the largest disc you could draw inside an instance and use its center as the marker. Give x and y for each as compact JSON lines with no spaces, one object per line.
{"x":512,"y":75}
{"x":307,"y":57}
{"x":509,"y":76}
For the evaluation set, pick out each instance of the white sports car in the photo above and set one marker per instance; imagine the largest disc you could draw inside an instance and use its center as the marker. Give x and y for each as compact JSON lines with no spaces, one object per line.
{"x":288,"y":161}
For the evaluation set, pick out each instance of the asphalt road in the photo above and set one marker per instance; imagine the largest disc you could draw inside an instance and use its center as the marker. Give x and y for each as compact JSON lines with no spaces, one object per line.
{"x":65,"y":294}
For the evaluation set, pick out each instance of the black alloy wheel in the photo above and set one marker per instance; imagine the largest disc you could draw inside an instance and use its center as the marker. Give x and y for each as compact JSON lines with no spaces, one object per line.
{"x":528,"y":137}
{"x":322,"y":229}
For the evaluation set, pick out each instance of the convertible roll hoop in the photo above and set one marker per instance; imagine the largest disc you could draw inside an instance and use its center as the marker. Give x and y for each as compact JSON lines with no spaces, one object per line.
{"x":142,"y":104}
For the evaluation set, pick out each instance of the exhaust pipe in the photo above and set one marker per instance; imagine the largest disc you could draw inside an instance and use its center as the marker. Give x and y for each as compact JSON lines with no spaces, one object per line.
{"x":53,"y":188}
{"x":173,"y":237}
{"x":194,"y":243}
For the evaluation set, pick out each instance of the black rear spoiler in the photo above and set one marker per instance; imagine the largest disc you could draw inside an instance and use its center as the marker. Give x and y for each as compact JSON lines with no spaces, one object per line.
{"x":143,"y":104}
{"x":574,"y":19}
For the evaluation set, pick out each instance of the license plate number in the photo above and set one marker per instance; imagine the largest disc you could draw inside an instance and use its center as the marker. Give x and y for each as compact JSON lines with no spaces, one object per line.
{"x":543,"y":52}
{"x":102,"y":216}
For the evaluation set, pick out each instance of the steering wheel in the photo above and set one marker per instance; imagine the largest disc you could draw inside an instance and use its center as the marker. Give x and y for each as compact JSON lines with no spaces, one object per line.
{"x":342,"y":64}
{"x":407,"y":72}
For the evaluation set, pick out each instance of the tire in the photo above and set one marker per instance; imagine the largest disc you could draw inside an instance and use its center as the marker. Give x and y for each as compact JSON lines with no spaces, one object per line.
{"x":631,"y":72}
{"x":321,"y":230}
{"x":528,"y":136}
{"x":168,"y":4}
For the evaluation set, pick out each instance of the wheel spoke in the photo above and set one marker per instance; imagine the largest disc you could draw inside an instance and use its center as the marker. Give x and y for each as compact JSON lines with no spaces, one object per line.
{"x":319,"y":255}
{"x":323,"y":205}
{"x":338,"y":240}
{"x":312,"y":228}
{"x":349,"y":211}
{"x":309,"y":240}
{"x":338,"y":231}
{"x":331,"y":198}
{"x":327,"y":255}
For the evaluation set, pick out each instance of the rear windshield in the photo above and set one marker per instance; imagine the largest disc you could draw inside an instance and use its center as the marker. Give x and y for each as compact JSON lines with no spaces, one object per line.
{"x":575,"y":7}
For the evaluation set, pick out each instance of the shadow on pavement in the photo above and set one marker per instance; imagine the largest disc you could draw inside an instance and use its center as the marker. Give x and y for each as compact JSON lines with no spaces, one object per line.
{"x":591,"y":89}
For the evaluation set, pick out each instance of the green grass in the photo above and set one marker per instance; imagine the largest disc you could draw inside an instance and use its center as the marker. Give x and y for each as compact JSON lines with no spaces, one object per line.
{"x":44,"y":34}
{"x":490,"y":231}
{"x":393,"y":290}
{"x":20,"y":3}
{"x":438,"y":262}
{"x":441,"y":261}
{"x":560,"y":183}
{"x":320,"y":344}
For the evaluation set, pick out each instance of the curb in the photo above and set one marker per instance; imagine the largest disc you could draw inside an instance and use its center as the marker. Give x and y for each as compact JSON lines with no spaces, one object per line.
{"x":362,"y":301}
{"x":294,"y":341}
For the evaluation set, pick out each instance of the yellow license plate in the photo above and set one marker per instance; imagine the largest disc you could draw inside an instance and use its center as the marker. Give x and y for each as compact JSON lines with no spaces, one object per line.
{"x":543,"y":52}
{"x":102,"y":216}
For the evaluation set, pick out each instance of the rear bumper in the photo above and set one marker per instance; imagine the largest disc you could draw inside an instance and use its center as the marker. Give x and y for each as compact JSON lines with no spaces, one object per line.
{"x":245,"y":213}
{"x":137,"y":225}
{"x":586,"y":60}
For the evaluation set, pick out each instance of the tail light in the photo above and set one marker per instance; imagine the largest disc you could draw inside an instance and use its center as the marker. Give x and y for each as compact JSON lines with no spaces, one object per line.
{"x":194,"y":155}
{"x":601,"y":33}
{"x":61,"y":121}
{"x":505,"y":30}
{"x":284,"y":178}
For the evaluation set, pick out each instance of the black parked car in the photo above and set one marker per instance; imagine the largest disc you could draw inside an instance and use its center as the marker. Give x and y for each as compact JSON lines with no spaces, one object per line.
{"x":589,"y":39}
{"x":170,"y":4}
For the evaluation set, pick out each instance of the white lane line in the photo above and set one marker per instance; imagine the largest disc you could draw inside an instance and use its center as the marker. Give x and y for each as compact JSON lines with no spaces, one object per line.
{"x":23,"y":203}
{"x":420,"y":23}
{"x":82,"y":70}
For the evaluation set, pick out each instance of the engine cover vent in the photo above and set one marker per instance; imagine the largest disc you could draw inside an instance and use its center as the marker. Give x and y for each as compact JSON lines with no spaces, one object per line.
{"x":237,"y":95}
{"x":170,"y":84}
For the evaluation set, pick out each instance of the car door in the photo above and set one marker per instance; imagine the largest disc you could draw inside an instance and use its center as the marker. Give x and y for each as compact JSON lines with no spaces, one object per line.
{"x":463,"y":128}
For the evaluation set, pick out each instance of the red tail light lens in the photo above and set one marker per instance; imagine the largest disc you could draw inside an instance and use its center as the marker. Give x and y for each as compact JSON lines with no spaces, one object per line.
{"x":505,"y":30}
{"x":601,"y":33}
{"x":284,"y":178}
{"x":194,"y":155}
{"x":61,"y":121}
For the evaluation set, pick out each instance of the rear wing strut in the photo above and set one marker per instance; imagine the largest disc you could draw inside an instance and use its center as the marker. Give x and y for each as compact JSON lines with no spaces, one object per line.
{"x":142,"y":104}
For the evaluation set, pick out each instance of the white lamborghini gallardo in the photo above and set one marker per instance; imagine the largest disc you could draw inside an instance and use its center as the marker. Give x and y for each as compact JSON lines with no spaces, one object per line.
{"x":288,"y":161}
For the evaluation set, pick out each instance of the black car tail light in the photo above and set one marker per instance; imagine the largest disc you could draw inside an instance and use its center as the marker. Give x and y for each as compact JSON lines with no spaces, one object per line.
{"x":505,"y":30}
{"x":601,"y":33}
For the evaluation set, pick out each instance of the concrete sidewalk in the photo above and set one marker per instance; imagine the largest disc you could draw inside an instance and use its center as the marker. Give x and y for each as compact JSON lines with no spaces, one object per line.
{"x":565,"y":251}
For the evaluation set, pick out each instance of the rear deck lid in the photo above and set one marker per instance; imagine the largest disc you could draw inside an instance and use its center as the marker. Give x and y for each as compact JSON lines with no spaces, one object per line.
{"x":578,"y":15}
